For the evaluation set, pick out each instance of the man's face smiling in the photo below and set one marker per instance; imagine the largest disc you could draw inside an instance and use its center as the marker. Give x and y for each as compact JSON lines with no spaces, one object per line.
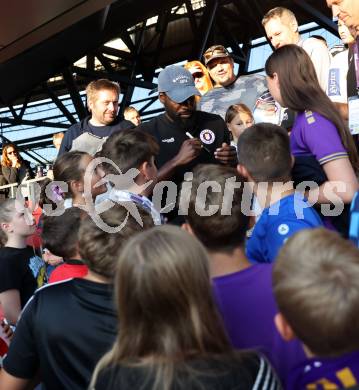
{"x":222,"y":71}
{"x":104,"y":107}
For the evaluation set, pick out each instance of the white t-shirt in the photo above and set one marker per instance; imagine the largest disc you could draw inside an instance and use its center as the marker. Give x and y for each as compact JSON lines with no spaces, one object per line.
{"x":337,"y":80}
{"x":319,"y":54}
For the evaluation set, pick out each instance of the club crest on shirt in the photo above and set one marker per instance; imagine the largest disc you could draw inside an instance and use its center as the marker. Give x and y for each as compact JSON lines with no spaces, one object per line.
{"x":283,"y":229}
{"x":207,"y":136}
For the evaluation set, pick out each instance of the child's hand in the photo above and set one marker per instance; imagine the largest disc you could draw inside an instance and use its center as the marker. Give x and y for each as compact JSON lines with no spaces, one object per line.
{"x":51,"y":259}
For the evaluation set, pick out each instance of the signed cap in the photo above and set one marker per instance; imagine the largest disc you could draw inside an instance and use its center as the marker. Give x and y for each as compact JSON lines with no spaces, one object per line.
{"x":177,"y":82}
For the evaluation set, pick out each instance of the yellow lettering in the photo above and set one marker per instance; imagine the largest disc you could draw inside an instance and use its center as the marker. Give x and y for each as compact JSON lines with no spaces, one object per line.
{"x":327,"y":385}
{"x":346,"y":377}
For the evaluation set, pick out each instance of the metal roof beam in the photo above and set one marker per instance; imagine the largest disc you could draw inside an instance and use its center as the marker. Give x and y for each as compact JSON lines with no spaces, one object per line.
{"x":322,"y":20}
{"x":74,"y":93}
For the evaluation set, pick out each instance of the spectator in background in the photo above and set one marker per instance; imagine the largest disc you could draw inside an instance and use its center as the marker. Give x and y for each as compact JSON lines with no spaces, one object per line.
{"x":202,"y":79}
{"x":338,"y":72}
{"x":14,"y":168}
{"x":132,"y":115}
{"x":348,"y":12}
{"x":281,"y":28}
{"x":229,"y":89}
{"x":89,"y":135}
{"x":57,"y":139}
{"x":316,"y":285}
{"x":238,"y":118}
{"x":171,"y":336}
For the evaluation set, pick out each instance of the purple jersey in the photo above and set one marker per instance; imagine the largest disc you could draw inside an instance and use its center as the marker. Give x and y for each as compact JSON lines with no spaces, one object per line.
{"x":313,"y":135}
{"x":325,"y":373}
{"x":246,"y":302}
{"x":315,"y":141}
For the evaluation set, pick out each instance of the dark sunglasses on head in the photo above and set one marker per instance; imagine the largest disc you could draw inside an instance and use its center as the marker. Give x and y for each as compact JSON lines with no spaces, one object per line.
{"x":215,"y":50}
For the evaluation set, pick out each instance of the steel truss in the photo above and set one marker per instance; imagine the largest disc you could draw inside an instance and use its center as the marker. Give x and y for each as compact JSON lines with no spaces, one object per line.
{"x":183,"y":30}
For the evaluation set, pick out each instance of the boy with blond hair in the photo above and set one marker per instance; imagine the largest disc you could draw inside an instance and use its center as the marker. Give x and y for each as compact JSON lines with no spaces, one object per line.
{"x":316,"y":285}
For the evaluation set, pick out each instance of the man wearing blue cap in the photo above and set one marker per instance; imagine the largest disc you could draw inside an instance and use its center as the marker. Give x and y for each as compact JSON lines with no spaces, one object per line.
{"x":186,"y":137}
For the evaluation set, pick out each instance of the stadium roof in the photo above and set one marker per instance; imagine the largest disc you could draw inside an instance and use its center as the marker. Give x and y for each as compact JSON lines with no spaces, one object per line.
{"x":50,"y":50}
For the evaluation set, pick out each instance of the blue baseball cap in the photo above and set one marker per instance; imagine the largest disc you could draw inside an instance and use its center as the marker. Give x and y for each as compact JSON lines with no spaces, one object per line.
{"x":177,"y":82}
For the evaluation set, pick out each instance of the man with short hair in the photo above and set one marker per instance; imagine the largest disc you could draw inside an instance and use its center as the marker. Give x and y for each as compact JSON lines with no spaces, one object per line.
{"x":281,"y":28}
{"x":340,"y":83}
{"x":348,"y":12}
{"x":186,"y":137}
{"x":89,"y":134}
{"x":229,"y":89}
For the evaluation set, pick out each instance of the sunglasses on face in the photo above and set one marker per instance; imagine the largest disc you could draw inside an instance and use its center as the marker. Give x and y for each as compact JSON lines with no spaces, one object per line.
{"x":198,"y":75}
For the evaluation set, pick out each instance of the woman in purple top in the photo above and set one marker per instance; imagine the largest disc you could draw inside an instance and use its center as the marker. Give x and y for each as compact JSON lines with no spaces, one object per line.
{"x":320,"y":141}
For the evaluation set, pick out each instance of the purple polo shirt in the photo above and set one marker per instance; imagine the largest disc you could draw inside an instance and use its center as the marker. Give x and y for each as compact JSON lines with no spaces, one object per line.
{"x":246,"y":303}
{"x":314,"y":135}
{"x":325,"y":373}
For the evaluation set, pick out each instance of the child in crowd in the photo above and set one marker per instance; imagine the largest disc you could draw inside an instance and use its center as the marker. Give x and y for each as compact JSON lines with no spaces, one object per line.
{"x":243,"y":290}
{"x":21,"y":270}
{"x":316,"y":285}
{"x":323,"y":147}
{"x":70,"y":168}
{"x":69,"y":325}
{"x":170,"y":335}
{"x":132,"y":152}
{"x":265,"y":161}
{"x":132,"y":115}
{"x":238,"y":118}
{"x":60,"y":237}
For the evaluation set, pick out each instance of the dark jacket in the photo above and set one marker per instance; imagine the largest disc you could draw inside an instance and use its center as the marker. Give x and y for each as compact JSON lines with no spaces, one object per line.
{"x":81,"y":127}
{"x":17,"y":175}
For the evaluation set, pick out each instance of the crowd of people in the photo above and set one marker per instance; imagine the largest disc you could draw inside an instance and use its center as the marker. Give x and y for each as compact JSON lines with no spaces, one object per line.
{"x":215,"y":246}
